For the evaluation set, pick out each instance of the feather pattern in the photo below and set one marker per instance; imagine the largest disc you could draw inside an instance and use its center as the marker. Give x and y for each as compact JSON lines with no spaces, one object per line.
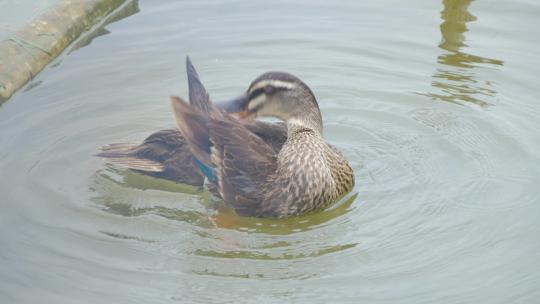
{"x":166,"y":154}
{"x":305,"y":174}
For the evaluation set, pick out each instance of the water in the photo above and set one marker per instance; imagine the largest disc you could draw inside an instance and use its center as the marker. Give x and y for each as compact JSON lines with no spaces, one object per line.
{"x":434,"y":104}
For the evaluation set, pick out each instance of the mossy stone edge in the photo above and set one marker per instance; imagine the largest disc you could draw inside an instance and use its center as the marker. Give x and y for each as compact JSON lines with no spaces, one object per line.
{"x":25,"y":53}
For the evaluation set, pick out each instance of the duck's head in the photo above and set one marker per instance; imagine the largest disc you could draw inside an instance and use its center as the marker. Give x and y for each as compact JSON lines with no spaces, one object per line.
{"x":280,"y":95}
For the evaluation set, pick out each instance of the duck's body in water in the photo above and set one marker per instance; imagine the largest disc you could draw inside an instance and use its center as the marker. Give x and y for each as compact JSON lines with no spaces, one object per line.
{"x":258,"y":168}
{"x":165,"y":154}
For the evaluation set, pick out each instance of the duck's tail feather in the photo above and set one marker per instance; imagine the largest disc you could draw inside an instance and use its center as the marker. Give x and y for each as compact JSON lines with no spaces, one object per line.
{"x":198,"y":96}
{"x":135,"y":163}
{"x":122,"y":154}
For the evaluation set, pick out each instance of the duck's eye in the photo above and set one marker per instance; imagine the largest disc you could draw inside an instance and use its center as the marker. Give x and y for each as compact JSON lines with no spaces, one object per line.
{"x":269,"y":89}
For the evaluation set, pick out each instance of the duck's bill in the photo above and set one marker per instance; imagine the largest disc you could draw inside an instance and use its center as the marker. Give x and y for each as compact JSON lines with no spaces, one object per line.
{"x":237,"y":107}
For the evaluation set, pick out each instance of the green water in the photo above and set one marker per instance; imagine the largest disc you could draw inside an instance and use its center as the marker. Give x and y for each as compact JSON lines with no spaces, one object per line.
{"x":433,"y":103}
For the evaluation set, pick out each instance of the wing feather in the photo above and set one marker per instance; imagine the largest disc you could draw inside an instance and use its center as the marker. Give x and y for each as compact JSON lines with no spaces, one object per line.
{"x":198,"y":96}
{"x":243,"y":162}
{"x":137,"y":164}
{"x":194,"y":127}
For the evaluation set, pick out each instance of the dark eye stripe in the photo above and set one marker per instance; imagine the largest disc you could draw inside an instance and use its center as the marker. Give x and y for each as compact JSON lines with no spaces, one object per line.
{"x":266,"y":90}
{"x":256,"y":93}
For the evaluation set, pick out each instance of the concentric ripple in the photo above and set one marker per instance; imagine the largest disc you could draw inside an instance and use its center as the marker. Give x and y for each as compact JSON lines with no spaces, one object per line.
{"x":445,"y":207}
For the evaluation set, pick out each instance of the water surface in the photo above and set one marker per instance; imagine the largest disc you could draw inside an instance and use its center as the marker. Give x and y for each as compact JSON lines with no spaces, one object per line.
{"x":434,"y":104}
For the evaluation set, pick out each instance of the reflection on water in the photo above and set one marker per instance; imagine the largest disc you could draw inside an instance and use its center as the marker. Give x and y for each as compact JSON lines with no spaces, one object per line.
{"x":124,"y":193}
{"x":128,"y":9}
{"x":119,"y":192}
{"x":456,"y":77}
{"x":218,"y":233}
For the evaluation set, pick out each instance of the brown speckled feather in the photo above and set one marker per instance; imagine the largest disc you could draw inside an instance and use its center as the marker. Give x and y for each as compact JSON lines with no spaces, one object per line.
{"x":310,"y":176}
{"x":258,"y":181}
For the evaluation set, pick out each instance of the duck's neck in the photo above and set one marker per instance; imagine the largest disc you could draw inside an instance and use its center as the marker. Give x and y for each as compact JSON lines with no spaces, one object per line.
{"x":311,"y":120}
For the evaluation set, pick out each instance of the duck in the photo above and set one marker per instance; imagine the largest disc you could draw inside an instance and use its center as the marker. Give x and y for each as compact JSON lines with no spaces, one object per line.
{"x":165,"y":154}
{"x":304,"y":174}
{"x":259,"y":168}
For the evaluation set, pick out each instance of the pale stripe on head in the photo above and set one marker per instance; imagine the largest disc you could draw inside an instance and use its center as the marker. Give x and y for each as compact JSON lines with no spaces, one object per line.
{"x":278,"y":84}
